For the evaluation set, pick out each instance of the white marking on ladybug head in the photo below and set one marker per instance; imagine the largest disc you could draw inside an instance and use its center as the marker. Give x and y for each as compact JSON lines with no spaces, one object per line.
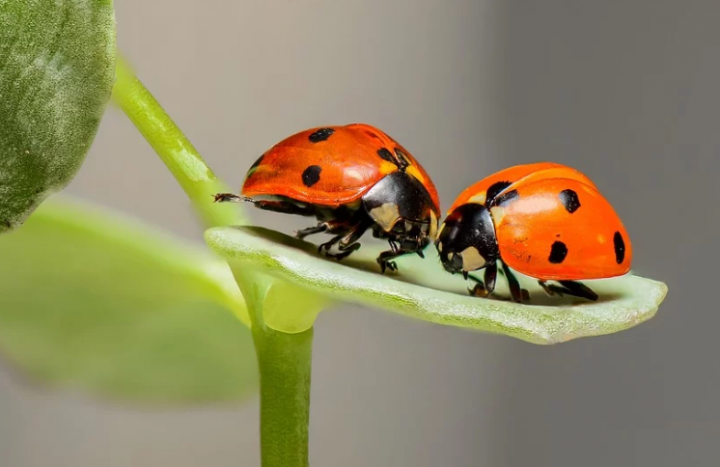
{"x":386,"y":215}
{"x":472,"y":259}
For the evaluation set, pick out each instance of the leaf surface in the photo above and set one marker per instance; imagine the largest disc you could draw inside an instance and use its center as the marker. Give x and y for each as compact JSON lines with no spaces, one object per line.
{"x":57,"y":62}
{"x":423,"y":290}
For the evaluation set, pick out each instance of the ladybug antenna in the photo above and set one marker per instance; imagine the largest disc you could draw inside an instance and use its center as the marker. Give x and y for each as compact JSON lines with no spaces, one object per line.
{"x":232,"y":198}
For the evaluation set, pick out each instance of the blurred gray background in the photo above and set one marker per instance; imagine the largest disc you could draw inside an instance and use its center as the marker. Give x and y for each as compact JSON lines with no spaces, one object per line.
{"x":626,"y":91}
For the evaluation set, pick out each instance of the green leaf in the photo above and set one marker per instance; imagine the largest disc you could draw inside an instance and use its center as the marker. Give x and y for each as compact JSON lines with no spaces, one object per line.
{"x":422,"y":289}
{"x":96,"y":302}
{"x":57,"y":61}
{"x":277,"y":304}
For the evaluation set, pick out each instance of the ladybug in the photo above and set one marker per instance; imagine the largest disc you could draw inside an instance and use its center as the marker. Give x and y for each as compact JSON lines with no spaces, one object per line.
{"x":545,"y":220}
{"x":352,"y":178}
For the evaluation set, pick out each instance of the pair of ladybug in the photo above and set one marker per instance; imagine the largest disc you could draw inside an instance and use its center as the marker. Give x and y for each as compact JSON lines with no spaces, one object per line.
{"x":545,"y":220}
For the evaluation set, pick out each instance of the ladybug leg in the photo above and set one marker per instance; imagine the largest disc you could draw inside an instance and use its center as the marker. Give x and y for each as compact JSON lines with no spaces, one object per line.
{"x":331,"y":226}
{"x":349,"y":243}
{"x":346,"y":241}
{"x":549,"y":289}
{"x":484,"y":289}
{"x":322,"y":227}
{"x":347,"y":251}
{"x":350,"y":240}
{"x":479,"y":289}
{"x":329,"y":244}
{"x":515,"y":291}
{"x":579,"y":290}
{"x":573,"y":288}
{"x":490,"y":276}
{"x":394,"y":246}
{"x":523,"y":292}
{"x":385,"y":258}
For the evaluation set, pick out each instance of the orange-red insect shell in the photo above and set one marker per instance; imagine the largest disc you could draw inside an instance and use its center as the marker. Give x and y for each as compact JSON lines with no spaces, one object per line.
{"x":331,"y":166}
{"x":544,"y":220}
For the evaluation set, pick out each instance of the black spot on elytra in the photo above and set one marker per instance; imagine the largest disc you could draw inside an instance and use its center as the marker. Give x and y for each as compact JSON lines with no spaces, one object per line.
{"x":311,"y":175}
{"x":321,"y":135}
{"x":570,"y":200}
{"x":385,"y":154}
{"x":619,"y":247}
{"x":494,"y":190}
{"x":506,"y":197}
{"x":558,"y":252}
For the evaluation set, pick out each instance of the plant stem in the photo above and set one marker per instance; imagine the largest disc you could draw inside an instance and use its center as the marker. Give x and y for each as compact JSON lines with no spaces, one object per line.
{"x":175,"y":150}
{"x":285,"y":362}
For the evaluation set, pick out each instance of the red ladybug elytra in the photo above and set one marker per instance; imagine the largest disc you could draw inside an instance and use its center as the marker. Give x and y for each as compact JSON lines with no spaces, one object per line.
{"x":351,"y":178}
{"x":544,"y":220}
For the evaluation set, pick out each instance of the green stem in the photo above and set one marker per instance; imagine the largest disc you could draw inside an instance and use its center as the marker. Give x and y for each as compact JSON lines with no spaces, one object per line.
{"x":285,"y":366}
{"x":175,"y":150}
{"x":285,"y":360}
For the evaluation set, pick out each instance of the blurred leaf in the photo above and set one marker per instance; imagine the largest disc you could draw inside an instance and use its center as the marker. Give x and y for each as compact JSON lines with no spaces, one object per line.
{"x":57,"y":60}
{"x":96,"y":302}
{"x":422,"y":289}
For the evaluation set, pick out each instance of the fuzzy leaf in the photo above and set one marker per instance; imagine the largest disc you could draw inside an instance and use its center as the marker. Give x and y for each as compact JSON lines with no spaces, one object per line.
{"x":92,"y":301}
{"x":57,"y":60}
{"x":422,"y":289}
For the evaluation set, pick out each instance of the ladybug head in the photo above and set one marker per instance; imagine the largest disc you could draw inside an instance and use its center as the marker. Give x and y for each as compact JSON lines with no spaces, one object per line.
{"x":402,"y":209}
{"x":467,"y":241}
